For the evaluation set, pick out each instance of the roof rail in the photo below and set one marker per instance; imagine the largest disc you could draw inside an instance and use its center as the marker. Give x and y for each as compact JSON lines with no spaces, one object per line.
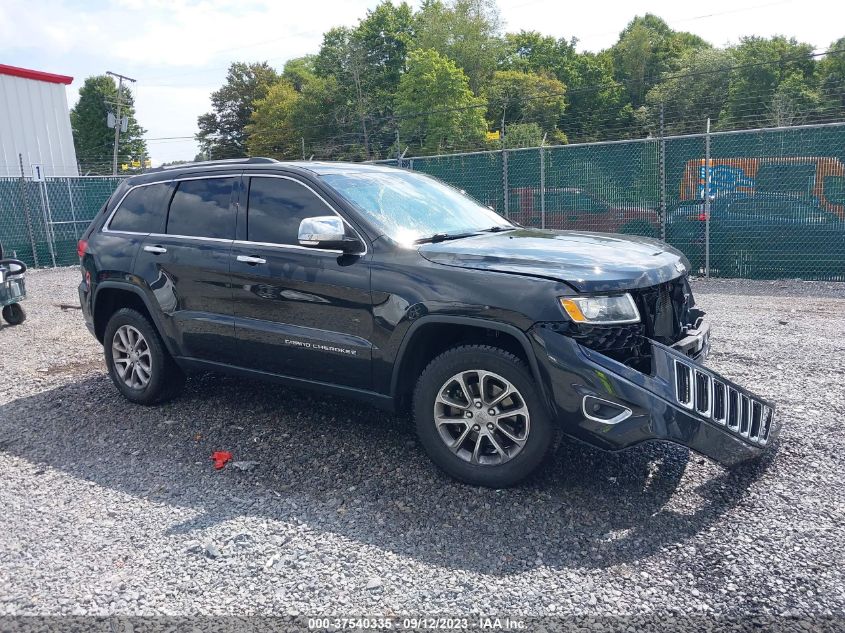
{"x":255,"y":160}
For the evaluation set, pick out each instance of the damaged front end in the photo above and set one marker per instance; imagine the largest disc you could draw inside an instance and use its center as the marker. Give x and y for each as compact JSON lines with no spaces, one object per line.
{"x":617,"y":386}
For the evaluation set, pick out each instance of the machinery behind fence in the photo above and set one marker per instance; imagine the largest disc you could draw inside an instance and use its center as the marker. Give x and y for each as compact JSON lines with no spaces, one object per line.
{"x":761,"y":204}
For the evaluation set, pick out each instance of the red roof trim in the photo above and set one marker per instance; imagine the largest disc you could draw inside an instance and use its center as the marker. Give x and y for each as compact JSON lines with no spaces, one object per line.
{"x":37,"y":75}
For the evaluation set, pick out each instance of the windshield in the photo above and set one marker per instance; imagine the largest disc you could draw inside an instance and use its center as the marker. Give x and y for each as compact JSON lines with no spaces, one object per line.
{"x":409,"y":207}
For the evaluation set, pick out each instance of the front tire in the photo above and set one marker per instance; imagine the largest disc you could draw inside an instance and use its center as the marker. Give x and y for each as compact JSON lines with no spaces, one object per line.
{"x":480,"y":417}
{"x":137,"y":360}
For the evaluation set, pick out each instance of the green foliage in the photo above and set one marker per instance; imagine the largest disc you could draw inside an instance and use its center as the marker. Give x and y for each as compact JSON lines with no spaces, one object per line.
{"x":92,"y":138}
{"x":437,"y":109}
{"x":696,"y":90}
{"x":445,"y":73}
{"x":466,"y":31}
{"x":525,"y":97}
{"x":647,"y":49}
{"x":521,"y":135}
{"x":272,"y":131}
{"x":222,"y":132}
{"x":772,"y":80}
{"x":832,"y":77}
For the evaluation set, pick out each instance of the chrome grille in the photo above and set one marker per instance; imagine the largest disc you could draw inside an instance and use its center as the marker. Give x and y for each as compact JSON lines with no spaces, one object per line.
{"x":711,"y":398}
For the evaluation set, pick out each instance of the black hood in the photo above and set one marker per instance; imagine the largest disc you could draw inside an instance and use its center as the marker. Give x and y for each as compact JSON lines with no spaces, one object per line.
{"x":589,"y":262}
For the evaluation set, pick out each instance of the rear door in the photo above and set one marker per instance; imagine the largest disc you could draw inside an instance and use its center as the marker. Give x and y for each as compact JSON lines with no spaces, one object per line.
{"x":186,"y":266}
{"x":300,"y":312}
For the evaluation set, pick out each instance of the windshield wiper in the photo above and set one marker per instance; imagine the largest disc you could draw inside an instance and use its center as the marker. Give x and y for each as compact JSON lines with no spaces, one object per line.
{"x":441,"y":237}
{"x":496,"y":229}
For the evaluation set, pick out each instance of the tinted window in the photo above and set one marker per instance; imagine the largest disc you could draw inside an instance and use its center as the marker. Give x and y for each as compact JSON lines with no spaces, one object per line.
{"x":142,"y":210}
{"x":277,"y":206}
{"x":201,"y":208}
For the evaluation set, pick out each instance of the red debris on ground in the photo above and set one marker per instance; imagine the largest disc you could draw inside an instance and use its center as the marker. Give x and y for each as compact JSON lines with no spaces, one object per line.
{"x":221,"y":458}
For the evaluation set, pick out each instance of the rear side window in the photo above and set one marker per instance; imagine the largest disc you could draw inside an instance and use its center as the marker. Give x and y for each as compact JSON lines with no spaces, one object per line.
{"x":277,"y":206}
{"x":201,"y":208}
{"x":142,"y":210}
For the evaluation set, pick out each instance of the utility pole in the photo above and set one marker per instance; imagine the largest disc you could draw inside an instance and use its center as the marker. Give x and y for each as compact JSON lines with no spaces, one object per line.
{"x":118,"y":120}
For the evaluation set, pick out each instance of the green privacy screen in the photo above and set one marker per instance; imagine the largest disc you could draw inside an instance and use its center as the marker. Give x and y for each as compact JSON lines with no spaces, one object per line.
{"x":761,"y":204}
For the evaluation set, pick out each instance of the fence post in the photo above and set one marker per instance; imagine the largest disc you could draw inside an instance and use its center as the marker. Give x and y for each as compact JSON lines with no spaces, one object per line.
{"x":72,"y":209}
{"x":662,"y":175}
{"x":707,"y":178}
{"x":25,"y":200}
{"x":48,"y":228}
{"x":542,"y":188}
{"x":505,"y":181}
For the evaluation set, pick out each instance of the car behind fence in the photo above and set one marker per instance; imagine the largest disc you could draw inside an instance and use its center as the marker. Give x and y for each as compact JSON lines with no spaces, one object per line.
{"x":763,"y":204}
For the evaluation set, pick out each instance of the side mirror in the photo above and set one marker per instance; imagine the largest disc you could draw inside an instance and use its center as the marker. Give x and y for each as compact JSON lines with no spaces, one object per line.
{"x":327,"y":231}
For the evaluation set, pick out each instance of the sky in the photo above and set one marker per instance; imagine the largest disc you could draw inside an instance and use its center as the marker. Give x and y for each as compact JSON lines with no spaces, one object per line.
{"x":179,"y":50}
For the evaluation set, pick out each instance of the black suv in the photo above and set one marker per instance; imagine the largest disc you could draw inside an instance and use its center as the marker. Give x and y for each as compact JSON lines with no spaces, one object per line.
{"x":394,"y":288}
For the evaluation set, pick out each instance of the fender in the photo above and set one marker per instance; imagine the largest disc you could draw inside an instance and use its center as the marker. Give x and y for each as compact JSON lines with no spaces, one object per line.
{"x":506,"y":328}
{"x":137,"y":290}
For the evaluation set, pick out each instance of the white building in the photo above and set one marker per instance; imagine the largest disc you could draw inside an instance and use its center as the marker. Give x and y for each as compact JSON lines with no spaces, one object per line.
{"x":35,"y":123}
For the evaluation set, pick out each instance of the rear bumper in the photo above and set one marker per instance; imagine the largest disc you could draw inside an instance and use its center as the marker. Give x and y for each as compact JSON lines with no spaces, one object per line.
{"x":612,"y":406}
{"x":85,"y":304}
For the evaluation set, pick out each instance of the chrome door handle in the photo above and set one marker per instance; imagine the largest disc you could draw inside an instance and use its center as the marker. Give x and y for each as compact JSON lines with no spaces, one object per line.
{"x":158,"y":250}
{"x":251,"y":260}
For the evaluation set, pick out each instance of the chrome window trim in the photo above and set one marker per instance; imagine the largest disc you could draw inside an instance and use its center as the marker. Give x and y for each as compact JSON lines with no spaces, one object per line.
{"x":294,"y":246}
{"x":108,"y":222}
{"x":298,"y":246}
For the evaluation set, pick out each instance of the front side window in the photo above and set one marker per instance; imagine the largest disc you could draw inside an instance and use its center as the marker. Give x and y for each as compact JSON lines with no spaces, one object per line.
{"x":408,"y":206}
{"x":277,"y":206}
{"x":142,"y":210}
{"x":201,"y":208}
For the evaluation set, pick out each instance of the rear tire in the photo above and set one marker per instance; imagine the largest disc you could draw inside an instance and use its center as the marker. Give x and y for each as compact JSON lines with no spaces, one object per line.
{"x":14,"y":314}
{"x":138,"y":363}
{"x":495,"y":437}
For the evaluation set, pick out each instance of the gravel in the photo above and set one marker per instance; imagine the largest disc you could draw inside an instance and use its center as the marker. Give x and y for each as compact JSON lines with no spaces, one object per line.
{"x":111,"y":508}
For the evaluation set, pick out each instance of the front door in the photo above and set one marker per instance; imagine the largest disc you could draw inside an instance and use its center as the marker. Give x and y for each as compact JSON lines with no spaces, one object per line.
{"x":187,"y":267}
{"x":300,"y":312}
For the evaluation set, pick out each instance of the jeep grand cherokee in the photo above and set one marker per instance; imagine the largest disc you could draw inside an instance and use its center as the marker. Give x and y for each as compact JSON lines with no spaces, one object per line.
{"x":392,"y":287}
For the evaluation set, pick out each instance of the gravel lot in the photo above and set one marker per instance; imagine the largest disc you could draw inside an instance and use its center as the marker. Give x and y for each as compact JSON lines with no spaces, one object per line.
{"x":112,"y":508}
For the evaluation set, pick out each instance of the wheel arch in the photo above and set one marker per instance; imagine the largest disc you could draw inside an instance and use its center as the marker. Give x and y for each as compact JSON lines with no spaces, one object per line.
{"x":431,"y":335}
{"x":114,"y":295}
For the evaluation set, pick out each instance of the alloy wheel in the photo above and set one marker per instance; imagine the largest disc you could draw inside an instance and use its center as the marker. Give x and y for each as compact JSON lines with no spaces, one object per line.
{"x":481,"y":417}
{"x":131,"y":357}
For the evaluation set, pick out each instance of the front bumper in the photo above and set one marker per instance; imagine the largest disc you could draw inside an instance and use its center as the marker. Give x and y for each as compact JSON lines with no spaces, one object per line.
{"x":613,"y":406}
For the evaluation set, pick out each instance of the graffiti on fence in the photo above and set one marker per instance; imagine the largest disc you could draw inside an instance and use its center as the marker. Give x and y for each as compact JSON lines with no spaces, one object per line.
{"x":818,"y":178}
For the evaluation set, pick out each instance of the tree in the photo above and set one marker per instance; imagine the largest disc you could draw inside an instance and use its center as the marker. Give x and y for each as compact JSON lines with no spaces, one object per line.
{"x":832,"y":79}
{"x":299,"y":71}
{"x":773,"y":81}
{"x":92,"y":138}
{"x":522,"y":135}
{"x":696,"y":90}
{"x":647,"y":49}
{"x":525,"y":98}
{"x":437,"y":109}
{"x":272,"y":131}
{"x":367,"y":61}
{"x":465,"y":31}
{"x":595,"y":101}
{"x":222,"y":132}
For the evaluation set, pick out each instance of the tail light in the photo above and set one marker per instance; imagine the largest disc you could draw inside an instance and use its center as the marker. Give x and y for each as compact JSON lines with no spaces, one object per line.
{"x":81,"y":248}
{"x":702,"y":217}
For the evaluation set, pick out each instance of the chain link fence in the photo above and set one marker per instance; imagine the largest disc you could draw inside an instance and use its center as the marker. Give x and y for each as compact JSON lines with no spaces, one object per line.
{"x":41,"y":222}
{"x":759,"y":204}
{"x":774,"y":206}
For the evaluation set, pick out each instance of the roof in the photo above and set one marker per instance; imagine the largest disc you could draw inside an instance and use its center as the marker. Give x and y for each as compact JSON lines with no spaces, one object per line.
{"x":35,"y":75}
{"x":324,"y":168}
